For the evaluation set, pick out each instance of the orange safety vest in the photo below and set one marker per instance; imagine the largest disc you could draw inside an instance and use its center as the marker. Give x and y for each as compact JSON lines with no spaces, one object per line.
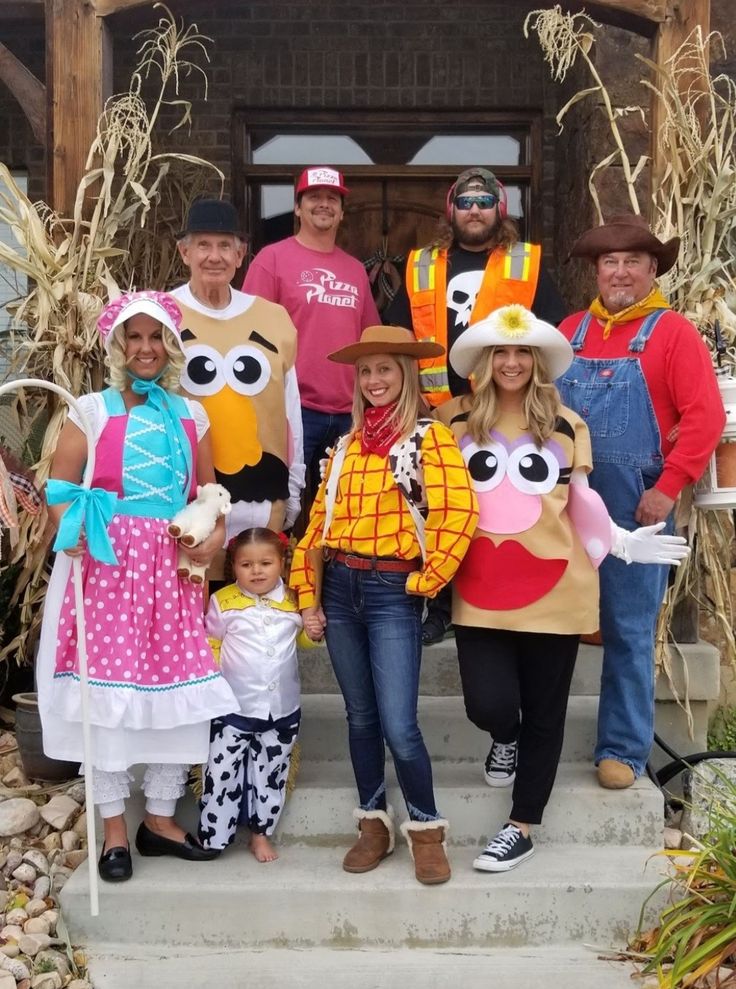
{"x":510,"y":276}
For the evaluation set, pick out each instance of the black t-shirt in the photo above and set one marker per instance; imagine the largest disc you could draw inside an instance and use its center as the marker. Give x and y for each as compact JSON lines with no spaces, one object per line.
{"x":464,"y":276}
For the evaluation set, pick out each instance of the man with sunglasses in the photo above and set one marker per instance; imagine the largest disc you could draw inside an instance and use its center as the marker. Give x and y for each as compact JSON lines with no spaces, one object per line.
{"x":476,"y":264}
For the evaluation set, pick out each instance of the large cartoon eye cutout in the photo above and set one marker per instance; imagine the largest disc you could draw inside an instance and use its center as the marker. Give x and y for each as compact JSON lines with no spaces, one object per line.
{"x":247,"y":370}
{"x":203,"y":374}
{"x":533,"y":471}
{"x":487,"y":464}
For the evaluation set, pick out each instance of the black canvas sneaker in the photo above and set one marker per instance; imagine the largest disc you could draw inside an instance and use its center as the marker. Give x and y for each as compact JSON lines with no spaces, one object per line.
{"x":507,"y":850}
{"x":500,"y":767}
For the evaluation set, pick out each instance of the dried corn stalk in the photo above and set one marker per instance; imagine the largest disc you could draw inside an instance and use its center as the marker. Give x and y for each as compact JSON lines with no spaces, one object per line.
{"x":695,"y":200}
{"x":74,"y":264}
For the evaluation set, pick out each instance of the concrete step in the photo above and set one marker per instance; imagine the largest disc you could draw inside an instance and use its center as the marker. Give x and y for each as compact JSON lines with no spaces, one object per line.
{"x":120,"y":966}
{"x":565,"y":893}
{"x":695,"y":671}
{"x":319,"y":810}
{"x":439,"y":675}
{"x":445,"y":727}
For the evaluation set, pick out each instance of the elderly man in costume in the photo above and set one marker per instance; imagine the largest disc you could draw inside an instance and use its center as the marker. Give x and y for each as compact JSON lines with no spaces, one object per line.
{"x":643,"y":381}
{"x":241,"y":352}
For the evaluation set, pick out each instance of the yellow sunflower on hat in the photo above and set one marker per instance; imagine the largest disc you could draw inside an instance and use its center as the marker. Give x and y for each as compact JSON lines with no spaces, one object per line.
{"x":513,"y":321}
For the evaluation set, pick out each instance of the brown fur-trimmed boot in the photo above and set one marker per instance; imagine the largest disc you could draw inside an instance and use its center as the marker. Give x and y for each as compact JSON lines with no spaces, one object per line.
{"x":428,"y":847}
{"x":375,"y":840}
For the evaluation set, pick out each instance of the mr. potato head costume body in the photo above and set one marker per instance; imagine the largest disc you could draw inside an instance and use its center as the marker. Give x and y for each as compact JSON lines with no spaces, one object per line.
{"x":240,"y":353}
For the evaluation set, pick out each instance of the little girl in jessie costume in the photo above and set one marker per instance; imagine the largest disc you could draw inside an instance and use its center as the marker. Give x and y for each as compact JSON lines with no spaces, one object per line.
{"x":154,"y":685}
{"x":254,"y":625}
{"x":527,"y":587}
{"x":393,"y":518}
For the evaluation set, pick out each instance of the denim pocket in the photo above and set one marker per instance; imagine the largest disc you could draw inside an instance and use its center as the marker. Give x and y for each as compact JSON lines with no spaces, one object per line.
{"x":389,"y":578}
{"x":603,"y":405}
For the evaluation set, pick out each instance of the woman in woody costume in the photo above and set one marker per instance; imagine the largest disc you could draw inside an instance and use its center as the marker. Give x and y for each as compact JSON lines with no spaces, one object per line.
{"x":153,"y":682}
{"x":527,"y":587}
{"x":393,"y":518}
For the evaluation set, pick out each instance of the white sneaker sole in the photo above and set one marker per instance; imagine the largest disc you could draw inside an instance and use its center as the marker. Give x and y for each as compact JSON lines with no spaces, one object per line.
{"x":486,"y":864}
{"x":492,"y":781}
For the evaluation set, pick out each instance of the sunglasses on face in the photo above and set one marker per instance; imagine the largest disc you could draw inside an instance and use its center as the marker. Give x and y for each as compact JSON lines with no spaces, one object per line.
{"x":486,"y":201}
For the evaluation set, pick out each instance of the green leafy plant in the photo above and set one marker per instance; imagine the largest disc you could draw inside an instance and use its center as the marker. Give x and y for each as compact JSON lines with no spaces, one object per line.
{"x":722,"y":730}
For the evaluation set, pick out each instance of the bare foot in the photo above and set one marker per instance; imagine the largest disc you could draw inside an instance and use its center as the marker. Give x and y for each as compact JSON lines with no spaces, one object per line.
{"x":262,"y":848}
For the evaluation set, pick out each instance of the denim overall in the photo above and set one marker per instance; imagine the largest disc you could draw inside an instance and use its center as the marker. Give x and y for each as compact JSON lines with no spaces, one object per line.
{"x":612,"y":398}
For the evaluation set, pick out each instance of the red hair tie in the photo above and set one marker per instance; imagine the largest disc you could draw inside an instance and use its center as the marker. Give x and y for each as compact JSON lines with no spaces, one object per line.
{"x":283,"y":539}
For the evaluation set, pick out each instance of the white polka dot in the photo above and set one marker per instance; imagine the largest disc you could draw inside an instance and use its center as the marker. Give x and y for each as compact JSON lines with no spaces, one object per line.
{"x":167,"y":627}
{"x":104,"y":662}
{"x":92,"y":670}
{"x":176,"y":679}
{"x":165,"y":669}
{"x":126,"y":595}
{"x":69,"y":664}
{"x":121,"y":639}
{"x":145,"y":666}
{"x":595,"y":547}
{"x":103,"y":583}
{"x":167,"y":648}
{"x":154,"y":678}
{"x":118,"y":662}
{"x":127,"y":674}
{"x":190,"y":655}
{"x":116,"y":574}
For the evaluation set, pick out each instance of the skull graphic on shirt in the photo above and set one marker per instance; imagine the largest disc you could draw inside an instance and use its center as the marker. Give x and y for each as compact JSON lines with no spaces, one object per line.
{"x":462,"y":291}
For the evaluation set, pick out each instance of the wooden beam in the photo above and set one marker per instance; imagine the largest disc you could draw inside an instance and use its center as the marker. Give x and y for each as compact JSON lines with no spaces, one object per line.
{"x":686,"y":16}
{"x":104,"y":7}
{"x":28,"y":91}
{"x":78,"y":81}
{"x":649,"y":10}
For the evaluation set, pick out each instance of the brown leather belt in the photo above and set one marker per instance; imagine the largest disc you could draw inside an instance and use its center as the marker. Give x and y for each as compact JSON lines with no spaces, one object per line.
{"x":354,"y":562}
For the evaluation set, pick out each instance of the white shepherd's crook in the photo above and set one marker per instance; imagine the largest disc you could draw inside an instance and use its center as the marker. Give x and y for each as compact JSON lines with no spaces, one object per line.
{"x":94,"y":905}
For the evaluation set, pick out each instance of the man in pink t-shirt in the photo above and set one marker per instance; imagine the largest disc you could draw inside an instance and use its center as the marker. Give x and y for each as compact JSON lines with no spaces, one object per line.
{"x":327,"y":294}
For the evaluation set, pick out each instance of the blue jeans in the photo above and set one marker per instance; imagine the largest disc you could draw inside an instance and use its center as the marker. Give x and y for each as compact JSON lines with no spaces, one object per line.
{"x":322,"y":429}
{"x":374,"y":637}
{"x":631,"y":596}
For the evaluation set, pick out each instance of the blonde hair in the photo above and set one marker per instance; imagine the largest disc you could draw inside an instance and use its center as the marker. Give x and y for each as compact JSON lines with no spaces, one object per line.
{"x":410,"y":405}
{"x":116,"y":361}
{"x":541,"y":404}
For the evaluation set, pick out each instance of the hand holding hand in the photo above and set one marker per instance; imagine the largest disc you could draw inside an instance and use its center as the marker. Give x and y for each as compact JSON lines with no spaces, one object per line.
{"x":314,"y":622}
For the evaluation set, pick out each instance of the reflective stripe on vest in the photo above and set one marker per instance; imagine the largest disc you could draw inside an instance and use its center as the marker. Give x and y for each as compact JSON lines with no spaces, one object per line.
{"x":510,"y":276}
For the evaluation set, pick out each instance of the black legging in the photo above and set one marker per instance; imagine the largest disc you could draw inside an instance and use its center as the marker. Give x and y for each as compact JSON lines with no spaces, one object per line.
{"x":515,"y":686}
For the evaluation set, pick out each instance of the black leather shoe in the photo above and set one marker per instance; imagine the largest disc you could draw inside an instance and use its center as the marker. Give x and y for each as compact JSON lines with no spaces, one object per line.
{"x":115,"y":865}
{"x":149,"y":843}
{"x":434,"y":629}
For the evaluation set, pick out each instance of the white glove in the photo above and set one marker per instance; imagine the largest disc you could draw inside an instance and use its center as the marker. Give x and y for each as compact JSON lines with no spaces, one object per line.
{"x":324,"y":462}
{"x":645,"y":546}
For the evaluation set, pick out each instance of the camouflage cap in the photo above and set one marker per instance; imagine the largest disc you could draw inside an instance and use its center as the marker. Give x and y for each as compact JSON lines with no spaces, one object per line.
{"x":482,"y":178}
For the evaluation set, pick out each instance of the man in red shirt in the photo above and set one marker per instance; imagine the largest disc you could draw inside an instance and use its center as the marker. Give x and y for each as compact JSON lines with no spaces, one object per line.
{"x":643,"y":381}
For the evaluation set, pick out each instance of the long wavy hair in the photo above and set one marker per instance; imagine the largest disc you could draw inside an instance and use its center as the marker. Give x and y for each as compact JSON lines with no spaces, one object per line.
{"x":116,"y":362}
{"x":410,"y":405}
{"x":541,"y":404}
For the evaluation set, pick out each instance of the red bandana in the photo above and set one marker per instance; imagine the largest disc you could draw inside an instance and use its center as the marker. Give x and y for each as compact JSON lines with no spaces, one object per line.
{"x":379,"y":429}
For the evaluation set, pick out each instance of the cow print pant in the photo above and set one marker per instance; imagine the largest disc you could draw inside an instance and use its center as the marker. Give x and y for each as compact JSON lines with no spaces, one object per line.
{"x":245,"y":778}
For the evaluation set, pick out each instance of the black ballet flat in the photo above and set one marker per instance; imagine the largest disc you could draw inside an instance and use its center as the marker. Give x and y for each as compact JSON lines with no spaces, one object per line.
{"x":148,"y":843}
{"x":115,"y":865}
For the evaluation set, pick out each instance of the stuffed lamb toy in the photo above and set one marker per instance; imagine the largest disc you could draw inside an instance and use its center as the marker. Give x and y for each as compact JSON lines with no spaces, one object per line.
{"x":194,"y":523}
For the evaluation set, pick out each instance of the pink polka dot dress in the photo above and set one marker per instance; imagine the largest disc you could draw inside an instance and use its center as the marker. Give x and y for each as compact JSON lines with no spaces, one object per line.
{"x":154,"y":685}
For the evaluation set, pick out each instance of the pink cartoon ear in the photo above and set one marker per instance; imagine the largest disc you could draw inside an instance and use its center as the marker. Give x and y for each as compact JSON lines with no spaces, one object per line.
{"x":591,"y":520}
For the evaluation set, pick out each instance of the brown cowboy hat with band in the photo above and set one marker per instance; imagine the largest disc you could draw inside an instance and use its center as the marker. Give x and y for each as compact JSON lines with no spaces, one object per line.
{"x":626,"y":232}
{"x":386,"y":340}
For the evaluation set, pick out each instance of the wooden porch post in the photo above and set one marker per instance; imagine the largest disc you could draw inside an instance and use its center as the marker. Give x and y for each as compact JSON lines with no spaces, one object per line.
{"x":685,"y":16}
{"x":78,"y":80}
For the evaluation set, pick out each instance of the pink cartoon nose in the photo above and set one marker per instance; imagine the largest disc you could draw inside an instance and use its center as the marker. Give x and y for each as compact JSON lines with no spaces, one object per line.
{"x":505,"y":509}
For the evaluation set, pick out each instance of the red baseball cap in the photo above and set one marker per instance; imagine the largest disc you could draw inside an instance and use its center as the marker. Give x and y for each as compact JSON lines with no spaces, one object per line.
{"x":321,"y":177}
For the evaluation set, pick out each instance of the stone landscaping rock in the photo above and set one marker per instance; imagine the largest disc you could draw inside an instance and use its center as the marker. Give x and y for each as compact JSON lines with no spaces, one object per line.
{"x":17,"y":814}
{"x":672,"y":838}
{"x":40,"y":845}
{"x":59,"y":812}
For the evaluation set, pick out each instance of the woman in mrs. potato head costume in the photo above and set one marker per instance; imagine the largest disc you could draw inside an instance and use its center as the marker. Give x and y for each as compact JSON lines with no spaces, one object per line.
{"x":527,"y":587}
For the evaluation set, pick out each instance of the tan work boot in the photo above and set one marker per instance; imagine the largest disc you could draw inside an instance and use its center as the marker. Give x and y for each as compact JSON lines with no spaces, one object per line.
{"x":426,"y":840}
{"x":615,"y":775}
{"x":375,"y":841}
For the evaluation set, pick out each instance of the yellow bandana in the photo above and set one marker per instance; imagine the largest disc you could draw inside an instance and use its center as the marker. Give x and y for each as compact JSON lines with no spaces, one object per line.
{"x":655,"y":300}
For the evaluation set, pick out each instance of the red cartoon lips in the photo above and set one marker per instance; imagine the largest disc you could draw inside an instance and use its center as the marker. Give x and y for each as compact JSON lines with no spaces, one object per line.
{"x":500,"y":578}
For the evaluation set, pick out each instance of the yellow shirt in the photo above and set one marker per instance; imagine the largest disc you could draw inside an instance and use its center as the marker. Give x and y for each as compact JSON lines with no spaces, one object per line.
{"x":371,"y":517}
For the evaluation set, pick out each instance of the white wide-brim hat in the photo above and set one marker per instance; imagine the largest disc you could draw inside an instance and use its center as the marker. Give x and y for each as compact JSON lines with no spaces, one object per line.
{"x":511,"y":326}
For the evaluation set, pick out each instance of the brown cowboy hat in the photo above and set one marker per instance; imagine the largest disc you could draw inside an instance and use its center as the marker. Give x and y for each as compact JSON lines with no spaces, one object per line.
{"x":386,"y":340}
{"x":626,"y":232}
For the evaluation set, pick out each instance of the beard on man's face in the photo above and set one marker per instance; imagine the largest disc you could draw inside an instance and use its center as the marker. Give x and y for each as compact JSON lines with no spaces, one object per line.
{"x":475,"y":235}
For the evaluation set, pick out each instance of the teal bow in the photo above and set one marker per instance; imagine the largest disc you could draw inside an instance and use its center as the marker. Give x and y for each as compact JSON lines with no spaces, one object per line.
{"x":176,"y":436}
{"x":91,"y":507}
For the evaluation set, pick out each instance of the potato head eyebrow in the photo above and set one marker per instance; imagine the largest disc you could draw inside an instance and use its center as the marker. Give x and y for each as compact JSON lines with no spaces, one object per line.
{"x":256,"y":337}
{"x":187,"y":335}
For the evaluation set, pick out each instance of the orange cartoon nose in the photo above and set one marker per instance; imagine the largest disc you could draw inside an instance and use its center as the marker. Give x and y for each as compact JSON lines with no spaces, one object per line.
{"x":234,"y":431}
